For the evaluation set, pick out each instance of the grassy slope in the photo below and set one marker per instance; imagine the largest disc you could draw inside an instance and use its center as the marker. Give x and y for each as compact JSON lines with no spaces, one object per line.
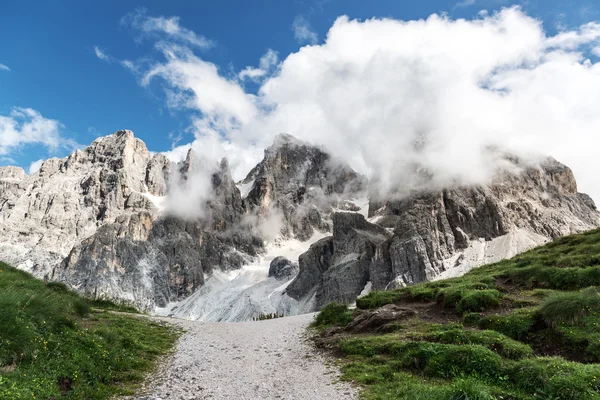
{"x":525,"y":328}
{"x":54,"y":345}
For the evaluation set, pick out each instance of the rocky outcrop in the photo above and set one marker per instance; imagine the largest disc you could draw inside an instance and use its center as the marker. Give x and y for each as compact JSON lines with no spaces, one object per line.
{"x":304,"y":182}
{"x":337,"y":268}
{"x":444,"y":233}
{"x":282,"y":268}
{"x":376,"y":320}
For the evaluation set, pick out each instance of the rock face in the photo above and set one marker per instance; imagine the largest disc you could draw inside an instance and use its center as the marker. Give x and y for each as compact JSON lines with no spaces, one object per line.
{"x":96,"y":220}
{"x":304,"y":183}
{"x":150,"y":262}
{"x":43,"y":215}
{"x":115,"y":222}
{"x":444,"y":233}
{"x":337,"y":268}
{"x":282,"y":268}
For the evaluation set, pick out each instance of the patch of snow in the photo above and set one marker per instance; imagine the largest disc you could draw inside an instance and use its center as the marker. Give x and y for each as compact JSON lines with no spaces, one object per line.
{"x":375,"y":219}
{"x":245,"y":188}
{"x":363,"y":203}
{"x":158,"y":201}
{"x":366,"y":290}
{"x":481,"y":252}
{"x":247,"y":293}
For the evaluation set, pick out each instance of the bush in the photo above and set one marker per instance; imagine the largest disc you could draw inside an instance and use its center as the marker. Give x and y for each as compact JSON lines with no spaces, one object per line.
{"x":570,"y":308}
{"x":471,"y":318}
{"x":333,"y":314}
{"x":515,"y":325}
{"x":81,"y":307}
{"x":495,"y":341}
{"x":478,"y":300}
{"x":378,"y":299}
{"x":555,"y":378}
{"x":57,"y":287}
{"x":448,"y":360}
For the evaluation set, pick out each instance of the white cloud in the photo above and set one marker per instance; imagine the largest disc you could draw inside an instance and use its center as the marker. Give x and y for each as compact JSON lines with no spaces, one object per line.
{"x":303,"y":31}
{"x":196,"y":84}
{"x":168,"y":26}
{"x":267,"y":62}
{"x":465,"y":3}
{"x":35,"y":166}
{"x":4,"y":68}
{"x":393,"y":97}
{"x":596,"y":51}
{"x":24,"y":126}
{"x":570,"y":40}
{"x":101,"y":55}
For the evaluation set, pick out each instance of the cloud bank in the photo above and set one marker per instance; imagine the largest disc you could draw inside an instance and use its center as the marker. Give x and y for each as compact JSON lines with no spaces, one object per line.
{"x":25,"y":126}
{"x":396,"y":98}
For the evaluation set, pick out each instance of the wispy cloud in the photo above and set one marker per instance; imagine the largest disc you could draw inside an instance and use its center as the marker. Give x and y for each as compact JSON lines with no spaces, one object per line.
{"x":101,"y":55}
{"x":165,"y":25}
{"x":465,"y":3}
{"x":4,"y":68}
{"x":303,"y":31}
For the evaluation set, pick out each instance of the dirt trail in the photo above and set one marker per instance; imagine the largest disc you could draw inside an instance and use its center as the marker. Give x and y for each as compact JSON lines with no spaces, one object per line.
{"x":247,"y":360}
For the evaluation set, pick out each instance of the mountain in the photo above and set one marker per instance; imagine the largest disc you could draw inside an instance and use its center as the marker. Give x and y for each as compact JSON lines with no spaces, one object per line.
{"x":440,"y":234}
{"x":116,"y":222}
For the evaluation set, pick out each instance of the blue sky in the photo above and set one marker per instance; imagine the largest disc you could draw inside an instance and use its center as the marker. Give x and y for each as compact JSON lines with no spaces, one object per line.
{"x":65,"y":59}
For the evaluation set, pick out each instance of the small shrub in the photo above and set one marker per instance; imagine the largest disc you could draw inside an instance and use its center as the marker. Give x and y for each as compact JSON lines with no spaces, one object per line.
{"x":555,"y":378}
{"x":448,"y":360}
{"x":81,"y":307}
{"x":57,"y":287}
{"x":515,"y":325}
{"x":471,"y":318}
{"x":570,"y":308}
{"x":478,"y":300}
{"x":495,"y":341}
{"x":333,"y":314}
{"x":378,"y":299}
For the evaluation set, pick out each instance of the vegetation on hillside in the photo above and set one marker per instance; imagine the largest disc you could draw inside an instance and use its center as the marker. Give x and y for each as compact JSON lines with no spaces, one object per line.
{"x":55,"y":344}
{"x":525,"y":328}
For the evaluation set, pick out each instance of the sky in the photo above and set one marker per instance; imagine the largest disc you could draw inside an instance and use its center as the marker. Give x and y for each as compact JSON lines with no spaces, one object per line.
{"x":391,"y":87}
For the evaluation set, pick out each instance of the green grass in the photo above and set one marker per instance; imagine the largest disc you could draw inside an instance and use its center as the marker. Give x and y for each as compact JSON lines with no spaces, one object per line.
{"x":524,"y":328}
{"x":55,"y":344}
{"x":333,"y":314}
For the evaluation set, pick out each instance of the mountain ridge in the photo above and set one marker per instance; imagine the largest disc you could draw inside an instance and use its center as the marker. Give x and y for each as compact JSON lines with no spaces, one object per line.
{"x":108,"y":221}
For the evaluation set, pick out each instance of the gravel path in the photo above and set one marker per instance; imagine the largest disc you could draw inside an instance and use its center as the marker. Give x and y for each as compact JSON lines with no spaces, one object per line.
{"x":247,"y":360}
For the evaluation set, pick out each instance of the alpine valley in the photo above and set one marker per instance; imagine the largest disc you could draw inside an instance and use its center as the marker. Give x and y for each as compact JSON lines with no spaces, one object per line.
{"x":301,"y":230}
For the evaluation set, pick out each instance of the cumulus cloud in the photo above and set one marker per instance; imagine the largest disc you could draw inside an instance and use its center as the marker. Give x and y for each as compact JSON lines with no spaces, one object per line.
{"x":101,"y":55}
{"x":402,"y":99}
{"x":25,"y":126}
{"x":4,"y":68}
{"x":303,"y":31}
{"x":35,"y":166}
{"x":167,"y":26}
{"x":267,"y":62}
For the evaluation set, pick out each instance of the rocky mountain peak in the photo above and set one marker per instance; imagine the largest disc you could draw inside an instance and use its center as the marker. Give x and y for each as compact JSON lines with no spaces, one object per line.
{"x":304,"y":182}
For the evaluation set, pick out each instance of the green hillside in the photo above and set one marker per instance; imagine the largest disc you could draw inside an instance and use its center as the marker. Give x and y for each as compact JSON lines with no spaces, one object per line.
{"x":55,"y":344}
{"x":525,"y":328}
